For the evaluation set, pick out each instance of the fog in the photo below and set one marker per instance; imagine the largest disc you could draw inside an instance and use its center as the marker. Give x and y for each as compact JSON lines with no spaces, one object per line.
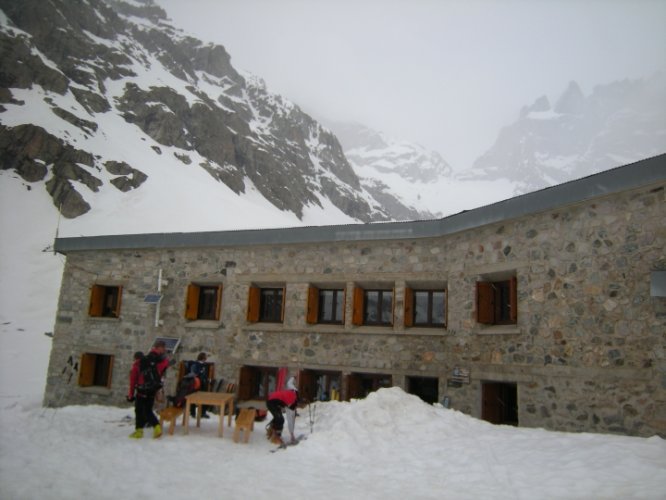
{"x":445,"y":74}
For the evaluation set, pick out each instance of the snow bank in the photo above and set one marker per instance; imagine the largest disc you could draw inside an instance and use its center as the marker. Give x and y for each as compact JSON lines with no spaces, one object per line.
{"x":390,"y":445}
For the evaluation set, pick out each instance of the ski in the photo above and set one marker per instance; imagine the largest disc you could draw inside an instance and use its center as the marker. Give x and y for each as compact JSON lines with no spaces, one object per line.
{"x":284,"y":446}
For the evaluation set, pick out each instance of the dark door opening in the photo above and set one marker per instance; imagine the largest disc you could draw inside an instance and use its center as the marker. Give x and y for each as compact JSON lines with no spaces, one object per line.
{"x":359,"y":385}
{"x":427,"y":388}
{"x":499,"y":403}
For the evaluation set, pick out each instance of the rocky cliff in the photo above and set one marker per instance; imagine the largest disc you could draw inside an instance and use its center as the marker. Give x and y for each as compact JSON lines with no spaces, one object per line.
{"x":77,"y":75}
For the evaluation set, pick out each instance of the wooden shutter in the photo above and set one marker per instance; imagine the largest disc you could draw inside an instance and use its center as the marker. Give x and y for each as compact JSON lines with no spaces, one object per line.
{"x":110,"y":373}
{"x":307,"y":386}
{"x":409,"y":306}
{"x":313,"y":305}
{"x":87,"y":370}
{"x":192,"y":301}
{"x":96,"y":301}
{"x":253,"y":301}
{"x":246,"y":383}
{"x":181,"y":372}
{"x":357,"y":312}
{"x":513,"y":299}
{"x":218,"y":305}
{"x":119,"y":300}
{"x":485,"y":312}
{"x":354,"y":387}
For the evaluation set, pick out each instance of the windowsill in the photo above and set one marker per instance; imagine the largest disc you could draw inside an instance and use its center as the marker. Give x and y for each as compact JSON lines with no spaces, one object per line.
{"x":101,"y":391}
{"x":266,"y":327}
{"x":419,"y":330}
{"x":102,"y":318}
{"x":204,"y":323}
{"x":497,"y":330}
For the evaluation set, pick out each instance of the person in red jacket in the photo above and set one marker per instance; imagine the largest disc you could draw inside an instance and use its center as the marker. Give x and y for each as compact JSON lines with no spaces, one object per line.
{"x":144,"y":398}
{"x":278,"y":401}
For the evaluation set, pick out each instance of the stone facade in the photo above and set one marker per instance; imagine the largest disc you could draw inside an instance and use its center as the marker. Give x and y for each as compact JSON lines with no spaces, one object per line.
{"x":587,"y":351}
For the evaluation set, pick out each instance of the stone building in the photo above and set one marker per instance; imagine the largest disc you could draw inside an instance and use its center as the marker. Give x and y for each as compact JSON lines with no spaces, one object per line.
{"x":544,"y":310}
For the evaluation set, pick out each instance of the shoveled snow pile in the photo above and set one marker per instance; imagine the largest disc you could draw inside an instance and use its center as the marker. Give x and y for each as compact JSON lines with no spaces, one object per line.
{"x":390,"y":445}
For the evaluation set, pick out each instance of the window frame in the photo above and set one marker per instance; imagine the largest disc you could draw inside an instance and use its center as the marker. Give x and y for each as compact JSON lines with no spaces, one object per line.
{"x":105,"y":301}
{"x":410,"y":307}
{"x":497,"y":301}
{"x":193,"y":301}
{"x":360,"y":306}
{"x":315,"y":309}
{"x":95,"y":370}
{"x":256,"y":309}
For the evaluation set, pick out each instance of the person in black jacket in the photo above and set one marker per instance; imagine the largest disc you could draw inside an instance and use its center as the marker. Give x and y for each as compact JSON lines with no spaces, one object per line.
{"x":200,"y":370}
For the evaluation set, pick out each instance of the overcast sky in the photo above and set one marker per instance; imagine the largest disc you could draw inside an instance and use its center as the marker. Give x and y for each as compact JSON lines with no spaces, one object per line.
{"x":445,"y":74}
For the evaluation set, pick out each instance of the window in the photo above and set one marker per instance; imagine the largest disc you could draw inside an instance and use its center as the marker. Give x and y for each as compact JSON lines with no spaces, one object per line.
{"x":265,"y":305}
{"x":319,"y":385}
{"x":497,"y":302}
{"x":105,"y":301}
{"x":373,"y":307}
{"x":95,"y":370}
{"x":425,"y":308}
{"x":203,"y":302}
{"x":256,"y":382}
{"x":326,"y":306}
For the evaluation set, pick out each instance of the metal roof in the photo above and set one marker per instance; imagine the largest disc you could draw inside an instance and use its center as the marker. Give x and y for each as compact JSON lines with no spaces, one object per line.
{"x":635,"y":175}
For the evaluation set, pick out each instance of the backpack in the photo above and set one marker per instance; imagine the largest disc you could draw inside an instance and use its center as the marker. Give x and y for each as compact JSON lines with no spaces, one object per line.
{"x":152,"y":381}
{"x":186,"y":386}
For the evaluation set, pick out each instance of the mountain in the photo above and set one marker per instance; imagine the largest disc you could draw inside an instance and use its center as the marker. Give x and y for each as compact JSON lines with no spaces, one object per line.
{"x":390,"y":169}
{"x":616,"y":124}
{"x":100,"y":101}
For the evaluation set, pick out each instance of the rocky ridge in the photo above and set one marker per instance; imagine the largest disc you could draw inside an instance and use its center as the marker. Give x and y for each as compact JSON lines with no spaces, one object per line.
{"x":616,"y":124}
{"x":77,"y":64}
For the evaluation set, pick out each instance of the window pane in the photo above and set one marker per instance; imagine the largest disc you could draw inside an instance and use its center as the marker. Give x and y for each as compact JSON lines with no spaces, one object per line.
{"x":110,"y":301}
{"x":339,"y":304}
{"x":371,"y":307}
{"x":438,"y":308}
{"x":326,"y":306}
{"x":207,"y":302}
{"x":421,"y":308}
{"x":387,"y":307}
{"x":271,"y":304}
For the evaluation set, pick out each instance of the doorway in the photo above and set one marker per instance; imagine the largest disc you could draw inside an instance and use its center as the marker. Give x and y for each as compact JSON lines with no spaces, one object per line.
{"x":499,"y":403}
{"x":427,"y":388}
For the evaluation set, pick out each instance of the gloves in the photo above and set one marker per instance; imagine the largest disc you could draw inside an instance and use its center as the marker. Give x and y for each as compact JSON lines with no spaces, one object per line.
{"x":130,"y":399}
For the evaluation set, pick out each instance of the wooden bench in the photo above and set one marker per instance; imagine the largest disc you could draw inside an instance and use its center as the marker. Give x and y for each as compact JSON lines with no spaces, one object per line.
{"x":170,"y":415}
{"x":245,"y":424}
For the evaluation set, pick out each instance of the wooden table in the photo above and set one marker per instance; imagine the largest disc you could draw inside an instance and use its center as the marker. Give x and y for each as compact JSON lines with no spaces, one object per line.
{"x":221,"y":399}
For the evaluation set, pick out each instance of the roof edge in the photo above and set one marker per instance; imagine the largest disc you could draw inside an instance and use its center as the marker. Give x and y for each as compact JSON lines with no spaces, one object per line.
{"x":623,"y":178}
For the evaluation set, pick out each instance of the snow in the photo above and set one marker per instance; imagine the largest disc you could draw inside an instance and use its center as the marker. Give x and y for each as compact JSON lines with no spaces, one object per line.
{"x":387,"y":446}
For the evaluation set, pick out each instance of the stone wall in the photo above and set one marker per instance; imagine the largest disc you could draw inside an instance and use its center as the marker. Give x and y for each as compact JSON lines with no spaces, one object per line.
{"x":587,"y":352}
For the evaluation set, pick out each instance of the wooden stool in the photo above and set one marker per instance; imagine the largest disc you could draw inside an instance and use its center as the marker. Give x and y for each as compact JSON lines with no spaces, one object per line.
{"x":245,"y":423}
{"x":170,"y":415}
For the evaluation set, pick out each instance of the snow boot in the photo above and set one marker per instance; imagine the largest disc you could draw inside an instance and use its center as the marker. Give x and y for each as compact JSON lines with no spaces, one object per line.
{"x":277,"y":439}
{"x":137,"y":434}
{"x":157,"y":431}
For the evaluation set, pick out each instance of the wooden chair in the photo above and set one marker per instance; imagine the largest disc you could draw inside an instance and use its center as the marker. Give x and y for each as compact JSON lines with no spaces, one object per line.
{"x":245,"y":424}
{"x":170,"y":415}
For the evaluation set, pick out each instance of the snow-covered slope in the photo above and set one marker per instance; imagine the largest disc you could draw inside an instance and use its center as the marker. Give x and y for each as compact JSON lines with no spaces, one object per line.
{"x":119,"y":116}
{"x":616,"y":124}
{"x":420,"y":179}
